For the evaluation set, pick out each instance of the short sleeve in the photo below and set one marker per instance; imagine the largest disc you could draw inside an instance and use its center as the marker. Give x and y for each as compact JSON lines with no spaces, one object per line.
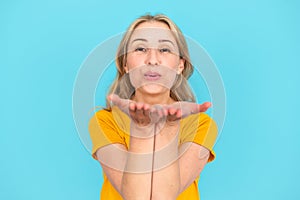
{"x":103,"y":131}
{"x":200,"y":129}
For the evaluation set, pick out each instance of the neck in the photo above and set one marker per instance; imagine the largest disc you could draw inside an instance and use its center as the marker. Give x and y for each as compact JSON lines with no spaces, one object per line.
{"x":153,"y":99}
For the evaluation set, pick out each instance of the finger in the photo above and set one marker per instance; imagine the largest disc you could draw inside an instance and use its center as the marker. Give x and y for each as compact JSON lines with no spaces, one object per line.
{"x":165,"y":111}
{"x":132,"y":106}
{"x":112,"y":98}
{"x":139,"y":112}
{"x":146,"y":107}
{"x":156,"y":113}
{"x":172,"y":114}
{"x":172,"y":118}
{"x":139,"y":105}
{"x":153,"y":109}
{"x":147,"y":110}
{"x":178,"y":114}
{"x":152,"y":113}
{"x":203,"y":107}
{"x":125,"y":105}
{"x":121,"y":103}
{"x":172,"y":110}
{"x":193,"y":108}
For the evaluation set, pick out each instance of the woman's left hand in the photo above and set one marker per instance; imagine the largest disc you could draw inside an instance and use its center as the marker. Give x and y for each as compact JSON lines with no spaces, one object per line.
{"x":182,"y":109}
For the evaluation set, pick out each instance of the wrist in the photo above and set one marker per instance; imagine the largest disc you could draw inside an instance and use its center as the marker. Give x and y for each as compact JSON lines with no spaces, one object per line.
{"x":141,"y":132}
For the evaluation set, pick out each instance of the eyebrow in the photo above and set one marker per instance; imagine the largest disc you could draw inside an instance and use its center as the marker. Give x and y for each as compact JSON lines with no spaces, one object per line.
{"x":139,"y":39}
{"x":166,"y":41}
{"x":160,"y":41}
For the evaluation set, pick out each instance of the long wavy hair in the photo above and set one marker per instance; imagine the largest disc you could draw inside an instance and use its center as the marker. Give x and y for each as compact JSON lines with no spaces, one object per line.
{"x":180,"y":91}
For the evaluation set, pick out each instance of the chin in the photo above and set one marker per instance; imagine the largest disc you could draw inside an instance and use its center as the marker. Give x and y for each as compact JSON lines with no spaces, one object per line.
{"x":153,"y":89}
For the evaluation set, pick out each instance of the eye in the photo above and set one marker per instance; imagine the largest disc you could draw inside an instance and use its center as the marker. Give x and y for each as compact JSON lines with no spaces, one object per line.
{"x":141,"y":49}
{"x":164,"y":50}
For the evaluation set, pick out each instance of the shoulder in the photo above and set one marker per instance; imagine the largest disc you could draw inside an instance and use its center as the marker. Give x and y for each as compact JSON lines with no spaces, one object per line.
{"x":108,"y":114}
{"x":199,"y":128}
{"x":104,"y":130}
{"x":199,"y":119}
{"x":103,"y":114}
{"x":114,"y":118}
{"x":99,"y":119}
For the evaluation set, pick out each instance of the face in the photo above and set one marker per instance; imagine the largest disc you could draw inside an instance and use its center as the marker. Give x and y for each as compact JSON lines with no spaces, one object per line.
{"x":153,"y":58}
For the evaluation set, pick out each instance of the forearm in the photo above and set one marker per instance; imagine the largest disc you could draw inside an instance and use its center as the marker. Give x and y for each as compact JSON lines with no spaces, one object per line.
{"x":166,"y":175}
{"x":193,"y":158}
{"x":158,"y":153}
{"x":166,"y":182}
{"x":136,"y":180}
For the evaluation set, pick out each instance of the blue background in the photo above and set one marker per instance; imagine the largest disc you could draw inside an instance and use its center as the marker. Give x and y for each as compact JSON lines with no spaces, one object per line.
{"x":255,"y":45}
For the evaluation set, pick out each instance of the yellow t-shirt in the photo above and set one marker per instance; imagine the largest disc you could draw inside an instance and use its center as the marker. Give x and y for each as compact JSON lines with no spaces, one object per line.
{"x":108,"y":127}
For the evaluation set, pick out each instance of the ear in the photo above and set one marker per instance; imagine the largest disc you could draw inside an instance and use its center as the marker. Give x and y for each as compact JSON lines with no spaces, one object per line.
{"x":180,"y":66}
{"x":125,"y":68}
{"x":125,"y":64}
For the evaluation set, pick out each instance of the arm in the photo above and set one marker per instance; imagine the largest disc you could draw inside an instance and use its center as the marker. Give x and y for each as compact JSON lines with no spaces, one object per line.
{"x":191,"y":163}
{"x":129,"y":170}
{"x":107,"y":157}
{"x":120,"y":166}
{"x":167,"y":181}
{"x":193,"y":160}
{"x":178,"y":169}
{"x":191,"y":157}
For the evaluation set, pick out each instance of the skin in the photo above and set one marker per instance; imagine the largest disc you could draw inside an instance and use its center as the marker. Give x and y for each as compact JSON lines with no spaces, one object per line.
{"x":152,"y":108}
{"x":148,"y":52}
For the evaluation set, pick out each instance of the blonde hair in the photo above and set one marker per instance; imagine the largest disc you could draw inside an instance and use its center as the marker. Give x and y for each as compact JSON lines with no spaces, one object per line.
{"x":180,"y":91}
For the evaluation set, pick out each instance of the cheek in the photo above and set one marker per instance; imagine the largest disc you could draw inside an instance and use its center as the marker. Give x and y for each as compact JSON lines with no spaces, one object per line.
{"x":134,"y":61}
{"x":171,"y":62}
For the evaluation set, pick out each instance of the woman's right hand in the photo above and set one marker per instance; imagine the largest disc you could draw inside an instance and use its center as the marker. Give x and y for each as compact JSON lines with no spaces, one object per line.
{"x":143,"y":116}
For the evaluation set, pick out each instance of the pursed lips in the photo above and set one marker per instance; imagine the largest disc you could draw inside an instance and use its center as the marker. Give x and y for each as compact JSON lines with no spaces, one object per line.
{"x":152,"y":76}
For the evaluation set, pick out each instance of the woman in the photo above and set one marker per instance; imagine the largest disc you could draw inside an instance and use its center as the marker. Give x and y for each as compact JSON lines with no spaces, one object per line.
{"x":153,"y":140}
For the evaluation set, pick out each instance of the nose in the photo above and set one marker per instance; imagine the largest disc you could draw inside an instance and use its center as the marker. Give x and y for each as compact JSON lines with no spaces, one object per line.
{"x":152,"y":57}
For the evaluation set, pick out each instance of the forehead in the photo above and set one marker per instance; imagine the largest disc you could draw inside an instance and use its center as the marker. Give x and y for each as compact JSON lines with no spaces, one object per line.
{"x":152,"y":32}
{"x":153,"y":24}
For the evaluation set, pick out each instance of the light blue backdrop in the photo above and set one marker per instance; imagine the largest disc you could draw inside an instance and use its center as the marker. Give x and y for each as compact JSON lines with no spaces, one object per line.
{"x":255,"y":45}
